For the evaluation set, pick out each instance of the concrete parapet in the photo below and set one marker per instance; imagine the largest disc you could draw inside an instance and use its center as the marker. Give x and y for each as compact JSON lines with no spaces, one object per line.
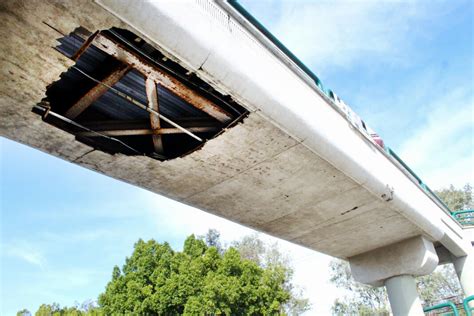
{"x":415,"y":256}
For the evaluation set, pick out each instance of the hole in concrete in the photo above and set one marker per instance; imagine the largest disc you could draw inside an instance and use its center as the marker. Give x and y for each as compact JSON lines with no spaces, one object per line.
{"x":123,"y":95}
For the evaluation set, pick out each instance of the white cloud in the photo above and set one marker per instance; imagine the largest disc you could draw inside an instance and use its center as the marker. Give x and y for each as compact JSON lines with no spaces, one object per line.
{"x":442,"y":149}
{"x":341,"y":33}
{"x":24,"y":251}
{"x":65,"y":285}
{"x":88,"y":234}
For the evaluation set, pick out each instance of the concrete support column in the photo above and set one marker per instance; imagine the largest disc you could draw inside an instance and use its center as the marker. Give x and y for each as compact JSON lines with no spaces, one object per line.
{"x":464,"y":267}
{"x":403,"y":296}
{"x":395,"y":266}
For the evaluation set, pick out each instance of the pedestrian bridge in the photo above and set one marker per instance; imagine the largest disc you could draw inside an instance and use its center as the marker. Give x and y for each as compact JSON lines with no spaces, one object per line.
{"x":193,"y":100}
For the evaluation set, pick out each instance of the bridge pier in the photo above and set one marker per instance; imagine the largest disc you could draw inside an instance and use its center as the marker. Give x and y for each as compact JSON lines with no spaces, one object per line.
{"x":464,"y":267}
{"x":403,"y":295}
{"x":395,"y":266}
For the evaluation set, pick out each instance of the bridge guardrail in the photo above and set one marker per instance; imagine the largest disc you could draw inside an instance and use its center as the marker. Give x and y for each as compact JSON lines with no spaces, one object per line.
{"x":449,"y":308}
{"x":441,"y":307}
{"x":469,"y":310}
{"x":464,"y":217}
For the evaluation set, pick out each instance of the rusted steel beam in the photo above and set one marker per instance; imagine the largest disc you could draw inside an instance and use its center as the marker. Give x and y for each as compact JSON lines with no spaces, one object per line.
{"x":169,"y":82}
{"x":97,"y":91}
{"x":147,"y":131}
{"x":152,"y":96}
{"x":172,"y":130}
{"x":87,"y":43}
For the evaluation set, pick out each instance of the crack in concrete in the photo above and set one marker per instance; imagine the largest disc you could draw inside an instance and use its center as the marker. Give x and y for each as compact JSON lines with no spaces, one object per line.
{"x":352,"y":209}
{"x":83,"y":155}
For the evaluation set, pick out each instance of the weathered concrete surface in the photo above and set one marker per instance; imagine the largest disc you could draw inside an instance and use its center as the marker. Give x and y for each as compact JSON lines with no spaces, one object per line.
{"x":254,"y":173}
{"x":464,"y":267}
{"x":403,"y":296}
{"x":415,"y":256}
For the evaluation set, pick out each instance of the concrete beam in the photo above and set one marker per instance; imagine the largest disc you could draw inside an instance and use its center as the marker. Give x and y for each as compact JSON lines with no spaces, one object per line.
{"x":415,"y":256}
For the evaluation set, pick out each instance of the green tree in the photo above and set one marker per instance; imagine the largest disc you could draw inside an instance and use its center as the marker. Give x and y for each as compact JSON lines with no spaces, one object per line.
{"x":251,"y":248}
{"x":268,"y":256}
{"x":47,"y":310}
{"x":248,"y":278}
{"x":457,"y":199}
{"x":440,"y":285}
{"x":88,"y":308}
{"x":212,"y":239}
{"x":363,"y":299}
{"x":155,"y":279}
{"x":23,"y":312}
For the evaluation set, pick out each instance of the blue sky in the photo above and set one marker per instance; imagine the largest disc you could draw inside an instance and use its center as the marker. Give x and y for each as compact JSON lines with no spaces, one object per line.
{"x":405,"y":66}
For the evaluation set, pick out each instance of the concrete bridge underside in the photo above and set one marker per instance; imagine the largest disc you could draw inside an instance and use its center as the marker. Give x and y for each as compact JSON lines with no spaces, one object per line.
{"x":254,"y":173}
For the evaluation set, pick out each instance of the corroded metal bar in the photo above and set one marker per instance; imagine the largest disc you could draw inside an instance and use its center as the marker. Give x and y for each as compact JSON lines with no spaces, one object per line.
{"x":87,"y":43}
{"x":140,"y":105}
{"x":152,"y":96}
{"x":169,"y":82}
{"x":96,"y":92}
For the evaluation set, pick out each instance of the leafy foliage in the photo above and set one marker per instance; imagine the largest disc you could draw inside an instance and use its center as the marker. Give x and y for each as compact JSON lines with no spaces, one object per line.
{"x":457,"y":199}
{"x":363,"y":299}
{"x":269,"y":256}
{"x":249,"y":278}
{"x":87,"y":309}
{"x":212,"y":239}
{"x":440,"y":285}
{"x":23,"y":312}
{"x":199,"y":280}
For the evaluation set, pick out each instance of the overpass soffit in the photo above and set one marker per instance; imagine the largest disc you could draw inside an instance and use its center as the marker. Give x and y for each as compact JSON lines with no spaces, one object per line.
{"x":123,"y":95}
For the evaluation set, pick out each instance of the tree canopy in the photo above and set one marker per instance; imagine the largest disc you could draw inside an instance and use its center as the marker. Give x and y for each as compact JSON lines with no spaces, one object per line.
{"x":457,"y":199}
{"x":158,"y":280}
{"x":204,"y":278}
{"x":88,"y":308}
